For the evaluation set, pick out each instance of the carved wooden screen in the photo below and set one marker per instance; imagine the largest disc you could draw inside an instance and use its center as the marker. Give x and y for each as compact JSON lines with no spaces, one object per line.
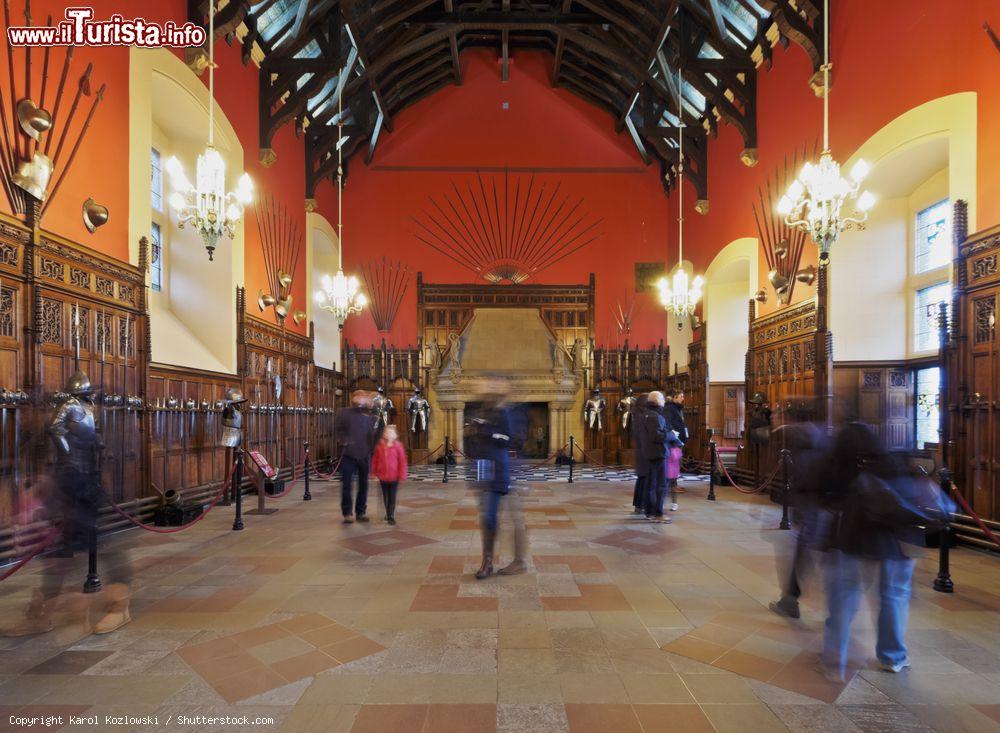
{"x":973,"y":368}
{"x":789,"y":358}
{"x":696,"y":399}
{"x":445,"y":309}
{"x":87,"y":298}
{"x":275,"y":367}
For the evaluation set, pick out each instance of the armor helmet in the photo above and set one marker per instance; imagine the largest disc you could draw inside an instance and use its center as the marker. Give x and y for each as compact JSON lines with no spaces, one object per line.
{"x":79,"y":385}
{"x":596,"y":392}
{"x":629,"y":392}
{"x":758,"y":398}
{"x":417,"y":390}
{"x":234,"y":395}
{"x":381,"y":390}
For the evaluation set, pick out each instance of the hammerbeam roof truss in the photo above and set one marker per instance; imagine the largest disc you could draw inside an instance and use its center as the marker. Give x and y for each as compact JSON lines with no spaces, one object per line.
{"x":381,"y":56}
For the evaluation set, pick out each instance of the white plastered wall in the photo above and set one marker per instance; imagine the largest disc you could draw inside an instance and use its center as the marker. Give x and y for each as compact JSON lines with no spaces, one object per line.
{"x":322,"y":247}
{"x":870,"y":272}
{"x":193,"y":320}
{"x":731,"y":282}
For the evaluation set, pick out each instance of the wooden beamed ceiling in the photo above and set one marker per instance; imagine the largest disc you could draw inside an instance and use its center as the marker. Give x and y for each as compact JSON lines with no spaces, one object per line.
{"x":622,"y":55}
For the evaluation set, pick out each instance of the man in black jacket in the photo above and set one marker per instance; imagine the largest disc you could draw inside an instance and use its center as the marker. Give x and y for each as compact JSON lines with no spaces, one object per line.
{"x":357,"y":435}
{"x":638,"y":455}
{"x":654,"y":440}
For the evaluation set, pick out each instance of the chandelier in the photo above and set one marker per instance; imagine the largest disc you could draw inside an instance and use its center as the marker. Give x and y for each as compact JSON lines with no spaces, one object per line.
{"x":340,"y":295}
{"x":681,"y":293}
{"x":814,"y":201}
{"x":207,"y":206}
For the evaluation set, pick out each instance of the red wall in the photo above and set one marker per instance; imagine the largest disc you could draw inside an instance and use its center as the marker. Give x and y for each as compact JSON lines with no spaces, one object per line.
{"x":888,"y":58}
{"x":99,"y":170}
{"x":932,"y":50}
{"x":449,"y":135}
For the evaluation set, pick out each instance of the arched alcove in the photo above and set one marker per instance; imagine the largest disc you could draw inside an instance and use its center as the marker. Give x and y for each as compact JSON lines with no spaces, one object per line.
{"x":730,"y":281}
{"x":322,"y":247}
{"x":192,"y":301}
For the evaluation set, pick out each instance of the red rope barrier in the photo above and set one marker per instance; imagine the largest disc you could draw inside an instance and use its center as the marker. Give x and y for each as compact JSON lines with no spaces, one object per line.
{"x":968,"y":510}
{"x":45,"y":542}
{"x":742,"y":490}
{"x":170,"y":530}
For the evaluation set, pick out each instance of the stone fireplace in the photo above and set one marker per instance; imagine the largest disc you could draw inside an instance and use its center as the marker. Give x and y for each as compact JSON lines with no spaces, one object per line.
{"x":514,"y":345}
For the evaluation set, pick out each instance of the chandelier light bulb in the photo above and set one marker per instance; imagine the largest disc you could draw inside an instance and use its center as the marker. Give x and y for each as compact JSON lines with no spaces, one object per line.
{"x":866,"y":201}
{"x":860,"y":171}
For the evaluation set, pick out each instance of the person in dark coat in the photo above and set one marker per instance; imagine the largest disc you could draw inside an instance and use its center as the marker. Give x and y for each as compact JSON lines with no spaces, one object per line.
{"x":357,"y":435}
{"x":638,"y":456}
{"x":656,"y":438}
{"x":862,"y":547}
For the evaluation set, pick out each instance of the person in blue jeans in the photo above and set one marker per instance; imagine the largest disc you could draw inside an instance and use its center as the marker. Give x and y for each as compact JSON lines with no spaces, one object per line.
{"x":862,"y":548}
{"x":357,"y":435}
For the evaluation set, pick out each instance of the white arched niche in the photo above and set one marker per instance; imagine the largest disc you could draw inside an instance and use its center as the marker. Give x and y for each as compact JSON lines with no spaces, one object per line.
{"x":925,"y":155}
{"x":193,"y":315}
{"x":730,"y":283}
{"x":322,"y":247}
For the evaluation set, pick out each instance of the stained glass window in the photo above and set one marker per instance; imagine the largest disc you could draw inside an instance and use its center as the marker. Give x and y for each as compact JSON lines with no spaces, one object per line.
{"x":155,"y":181}
{"x":928,"y":408}
{"x":933,"y":237}
{"x":155,"y":258}
{"x":925,"y":317}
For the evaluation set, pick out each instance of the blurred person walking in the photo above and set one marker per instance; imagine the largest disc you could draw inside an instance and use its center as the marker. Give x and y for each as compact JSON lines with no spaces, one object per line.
{"x":357,"y":434}
{"x":657,"y":439}
{"x":865,"y":543}
{"x":639,"y":457}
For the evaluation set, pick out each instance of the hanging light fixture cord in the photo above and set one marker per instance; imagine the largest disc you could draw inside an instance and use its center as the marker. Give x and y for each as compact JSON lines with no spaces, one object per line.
{"x":680,"y":168}
{"x":211,"y":73}
{"x":340,"y":180}
{"x":826,"y":75}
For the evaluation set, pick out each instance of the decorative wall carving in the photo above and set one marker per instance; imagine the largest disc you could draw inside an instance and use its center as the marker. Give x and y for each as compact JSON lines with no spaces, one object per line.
{"x":51,"y":269}
{"x":50,"y":321}
{"x":984,"y":319}
{"x":8,"y":312}
{"x":985,"y":266}
{"x":79,"y":278}
{"x":105,"y":287}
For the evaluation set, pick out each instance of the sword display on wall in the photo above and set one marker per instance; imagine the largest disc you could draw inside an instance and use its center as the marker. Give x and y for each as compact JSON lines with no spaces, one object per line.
{"x":386,"y":283}
{"x":506,"y":229}
{"x":29,"y":170}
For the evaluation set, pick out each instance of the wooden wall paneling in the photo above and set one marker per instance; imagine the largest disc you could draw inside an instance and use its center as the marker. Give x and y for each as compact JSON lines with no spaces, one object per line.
{"x":18,"y":417}
{"x":727,"y":412}
{"x":83,"y":297}
{"x":971,"y":425}
{"x":696,"y":399}
{"x":789,"y":359}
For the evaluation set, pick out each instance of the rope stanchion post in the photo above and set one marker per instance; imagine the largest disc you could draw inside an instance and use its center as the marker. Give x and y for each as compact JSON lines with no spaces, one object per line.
{"x":306,"y":496}
{"x":786,"y":489}
{"x":238,"y":490}
{"x":943,"y":582}
{"x":712,"y":458}
{"x":572,"y":457}
{"x":93,"y":582}
{"x":447,"y":458}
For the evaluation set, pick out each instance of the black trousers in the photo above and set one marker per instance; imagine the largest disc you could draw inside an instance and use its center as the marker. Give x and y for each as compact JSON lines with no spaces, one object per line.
{"x":639,"y":493}
{"x":389,"y":497}
{"x":349,"y":468}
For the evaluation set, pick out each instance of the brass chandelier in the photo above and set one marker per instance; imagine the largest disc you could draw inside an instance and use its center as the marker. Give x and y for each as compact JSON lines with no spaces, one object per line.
{"x":680,"y":294}
{"x":207,"y":206}
{"x":814,"y":201}
{"x":340,"y":295}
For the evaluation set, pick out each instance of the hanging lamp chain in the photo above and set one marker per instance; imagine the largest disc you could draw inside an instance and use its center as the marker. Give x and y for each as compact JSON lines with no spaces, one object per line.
{"x":680,"y":168}
{"x":211,"y":73}
{"x":340,"y":180}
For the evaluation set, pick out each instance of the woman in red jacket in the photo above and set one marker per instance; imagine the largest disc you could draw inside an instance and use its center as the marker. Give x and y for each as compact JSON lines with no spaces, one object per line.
{"x":389,"y":467}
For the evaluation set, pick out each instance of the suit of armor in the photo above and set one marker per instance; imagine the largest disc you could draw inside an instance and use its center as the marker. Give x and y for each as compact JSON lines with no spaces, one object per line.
{"x":73,"y":432}
{"x":593,"y":411}
{"x":382,"y":407}
{"x":232,"y":418}
{"x":625,"y":405}
{"x":419,"y":410}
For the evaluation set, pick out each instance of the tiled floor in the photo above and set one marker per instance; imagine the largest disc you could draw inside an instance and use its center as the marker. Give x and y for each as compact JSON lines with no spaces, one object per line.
{"x":619,"y":626}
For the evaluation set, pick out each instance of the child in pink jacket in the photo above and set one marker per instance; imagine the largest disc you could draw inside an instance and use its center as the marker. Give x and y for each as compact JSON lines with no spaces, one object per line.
{"x":389,"y":467}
